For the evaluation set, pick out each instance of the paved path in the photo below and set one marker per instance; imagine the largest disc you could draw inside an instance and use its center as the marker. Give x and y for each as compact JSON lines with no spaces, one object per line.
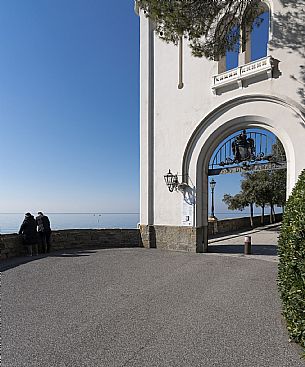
{"x":138,"y":307}
{"x":264,"y":243}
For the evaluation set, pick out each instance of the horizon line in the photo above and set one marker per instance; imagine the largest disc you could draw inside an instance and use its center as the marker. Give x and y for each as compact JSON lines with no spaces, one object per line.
{"x":93,"y":213}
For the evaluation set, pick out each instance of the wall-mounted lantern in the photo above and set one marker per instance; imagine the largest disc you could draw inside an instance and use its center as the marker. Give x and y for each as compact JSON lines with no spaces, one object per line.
{"x":171,"y":181}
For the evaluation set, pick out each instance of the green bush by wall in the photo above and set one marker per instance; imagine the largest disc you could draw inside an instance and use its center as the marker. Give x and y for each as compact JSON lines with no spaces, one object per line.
{"x":291,"y":276}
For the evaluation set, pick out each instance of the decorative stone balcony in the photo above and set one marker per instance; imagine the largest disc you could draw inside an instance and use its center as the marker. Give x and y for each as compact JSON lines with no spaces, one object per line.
{"x":247,"y":71}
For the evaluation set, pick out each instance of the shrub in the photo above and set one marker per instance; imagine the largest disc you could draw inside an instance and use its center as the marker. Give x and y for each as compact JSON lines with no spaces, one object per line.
{"x":291,"y":276}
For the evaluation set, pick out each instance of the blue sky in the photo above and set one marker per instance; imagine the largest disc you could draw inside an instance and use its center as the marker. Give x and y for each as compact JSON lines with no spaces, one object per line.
{"x":69,"y":107}
{"x":69,"y":99}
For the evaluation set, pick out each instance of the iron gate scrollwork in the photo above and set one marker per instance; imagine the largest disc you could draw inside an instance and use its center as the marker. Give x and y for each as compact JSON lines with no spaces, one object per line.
{"x":248,"y":151}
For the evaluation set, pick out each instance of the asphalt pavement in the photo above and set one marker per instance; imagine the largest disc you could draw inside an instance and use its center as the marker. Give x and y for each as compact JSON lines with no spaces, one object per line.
{"x":140,"y":307}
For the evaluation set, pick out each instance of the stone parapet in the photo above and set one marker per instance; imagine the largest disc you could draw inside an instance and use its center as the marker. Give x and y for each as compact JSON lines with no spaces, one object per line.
{"x":11,"y":244}
{"x":236,"y":224}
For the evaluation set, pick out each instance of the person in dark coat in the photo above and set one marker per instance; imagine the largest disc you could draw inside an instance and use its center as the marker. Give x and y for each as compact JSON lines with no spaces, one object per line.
{"x":29,"y":234}
{"x":44,"y":231}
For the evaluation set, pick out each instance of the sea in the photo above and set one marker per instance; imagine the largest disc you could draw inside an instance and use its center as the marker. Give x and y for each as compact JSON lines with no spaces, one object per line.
{"x":10,"y":222}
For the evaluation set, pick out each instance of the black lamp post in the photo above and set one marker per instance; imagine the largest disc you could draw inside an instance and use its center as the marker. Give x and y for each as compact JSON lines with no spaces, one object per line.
{"x":212,"y":185}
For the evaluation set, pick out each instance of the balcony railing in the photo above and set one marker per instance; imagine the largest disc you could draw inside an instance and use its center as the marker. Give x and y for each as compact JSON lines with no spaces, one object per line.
{"x":243,"y":72}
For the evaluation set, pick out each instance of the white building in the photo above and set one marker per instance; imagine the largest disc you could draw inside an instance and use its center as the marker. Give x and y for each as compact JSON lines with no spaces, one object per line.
{"x":189,"y":105}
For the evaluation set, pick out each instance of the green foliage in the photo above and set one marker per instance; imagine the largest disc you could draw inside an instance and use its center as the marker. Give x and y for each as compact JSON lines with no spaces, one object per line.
{"x":278,"y":152}
{"x":249,"y":186}
{"x":206,"y":24}
{"x":241,"y":200}
{"x":236,"y":202}
{"x":260,"y":188}
{"x":278,"y":180}
{"x":291,"y":276}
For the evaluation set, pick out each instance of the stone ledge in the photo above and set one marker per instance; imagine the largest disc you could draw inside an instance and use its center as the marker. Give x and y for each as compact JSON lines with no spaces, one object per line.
{"x":11,"y":244}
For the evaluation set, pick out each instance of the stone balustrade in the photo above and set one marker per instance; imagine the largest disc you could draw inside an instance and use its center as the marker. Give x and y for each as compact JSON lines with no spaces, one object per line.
{"x":243,"y":72}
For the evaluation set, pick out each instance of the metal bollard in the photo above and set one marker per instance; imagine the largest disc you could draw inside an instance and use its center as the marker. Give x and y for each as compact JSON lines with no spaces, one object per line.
{"x":247,"y":248}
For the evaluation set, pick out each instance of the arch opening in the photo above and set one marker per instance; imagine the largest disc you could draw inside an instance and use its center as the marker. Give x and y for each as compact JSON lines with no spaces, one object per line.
{"x":255,"y":197}
{"x":220,"y":135}
{"x":209,"y":154}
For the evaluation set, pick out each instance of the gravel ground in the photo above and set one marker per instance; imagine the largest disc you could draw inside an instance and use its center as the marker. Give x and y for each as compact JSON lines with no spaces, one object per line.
{"x":139,"y":307}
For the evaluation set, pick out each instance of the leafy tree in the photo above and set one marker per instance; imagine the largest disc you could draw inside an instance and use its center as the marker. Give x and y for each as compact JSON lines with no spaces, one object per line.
{"x":260,"y":189}
{"x":211,"y":27}
{"x":279,"y":181}
{"x":267,"y":188}
{"x":239,"y":202}
{"x":236,"y":202}
{"x":278,"y":178}
{"x":278,"y":152}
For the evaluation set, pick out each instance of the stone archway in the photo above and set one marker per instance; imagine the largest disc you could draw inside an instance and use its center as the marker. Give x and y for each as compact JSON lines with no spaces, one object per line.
{"x":283,"y":119}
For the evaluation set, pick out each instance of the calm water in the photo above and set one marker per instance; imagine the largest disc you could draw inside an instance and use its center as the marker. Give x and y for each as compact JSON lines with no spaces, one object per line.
{"x":10,"y":223}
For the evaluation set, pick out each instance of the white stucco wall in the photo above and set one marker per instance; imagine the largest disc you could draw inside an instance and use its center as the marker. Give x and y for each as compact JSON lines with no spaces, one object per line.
{"x":180,"y":128}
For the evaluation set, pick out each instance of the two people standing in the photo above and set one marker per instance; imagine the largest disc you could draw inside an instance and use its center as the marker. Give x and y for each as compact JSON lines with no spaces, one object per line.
{"x":28,"y":230}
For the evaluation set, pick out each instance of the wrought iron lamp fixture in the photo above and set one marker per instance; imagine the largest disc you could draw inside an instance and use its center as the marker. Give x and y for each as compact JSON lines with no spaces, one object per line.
{"x":171,"y":181}
{"x":173,"y":184}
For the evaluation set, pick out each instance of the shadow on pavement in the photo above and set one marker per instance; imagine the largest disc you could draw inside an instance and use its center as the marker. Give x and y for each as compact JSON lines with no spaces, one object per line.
{"x":269,"y":250}
{"x":21,"y":260}
{"x":17,"y":261}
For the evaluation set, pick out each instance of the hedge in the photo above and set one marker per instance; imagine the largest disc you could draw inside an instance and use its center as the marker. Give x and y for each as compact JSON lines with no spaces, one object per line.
{"x":291,"y":274}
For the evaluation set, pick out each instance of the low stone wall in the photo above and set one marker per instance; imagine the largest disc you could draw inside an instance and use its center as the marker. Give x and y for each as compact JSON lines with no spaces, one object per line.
{"x":11,"y":244}
{"x":236,"y":224}
{"x":163,"y":237}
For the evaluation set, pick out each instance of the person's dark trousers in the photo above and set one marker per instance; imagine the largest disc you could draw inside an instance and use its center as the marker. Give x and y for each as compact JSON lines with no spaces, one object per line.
{"x":29,"y":250}
{"x":48,"y":241}
{"x":44,"y":242}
